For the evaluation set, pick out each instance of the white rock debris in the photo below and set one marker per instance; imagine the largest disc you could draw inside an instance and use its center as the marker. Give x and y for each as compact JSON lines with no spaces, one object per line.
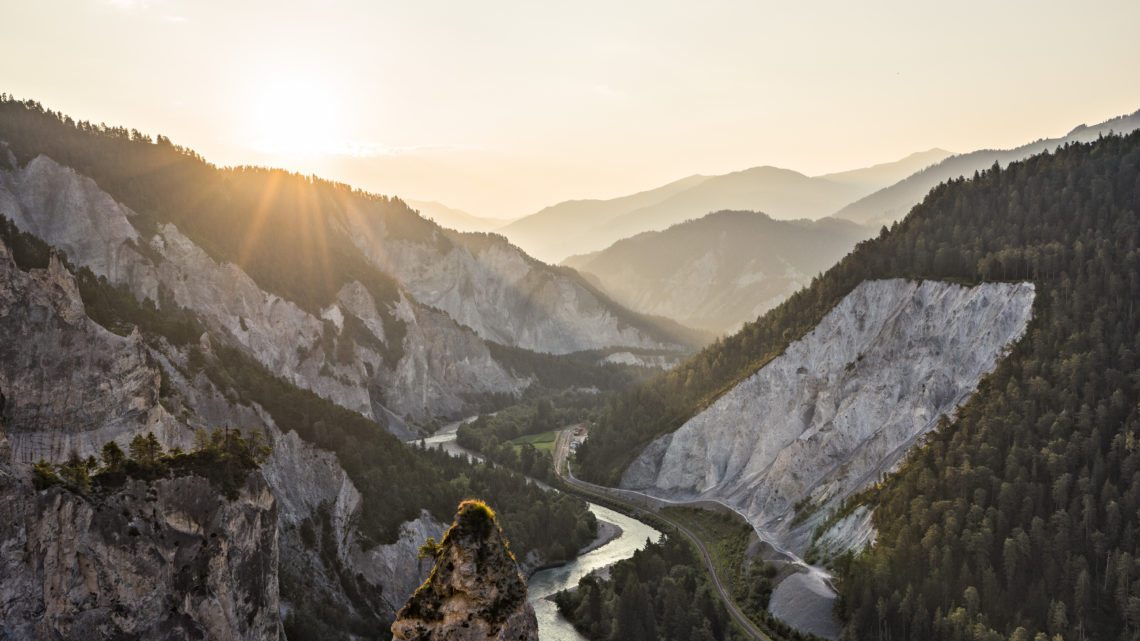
{"x":842,"y":406}
{"x":501,"y":293}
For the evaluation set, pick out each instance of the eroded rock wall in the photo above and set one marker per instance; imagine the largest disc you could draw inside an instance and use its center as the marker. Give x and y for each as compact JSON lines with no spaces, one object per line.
{"x":69,"y":384}
{"x":492,"y":287}
{"x":68,"y":210}
{"x":841,"y":407}
{"x":167,"y":560}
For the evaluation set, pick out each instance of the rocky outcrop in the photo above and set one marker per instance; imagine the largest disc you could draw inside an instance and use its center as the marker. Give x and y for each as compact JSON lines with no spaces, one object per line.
{"x":172,"y":560}
{"x":840,"y":408}
{"x":51,"y":202}
{"x":659,"y":361}
{"x":475,"y":591}
{"x":167,"y":560}
{"x":397,"y":566}
{"x":491,"y":286}
{"x":444,"y":366}
{"x":69,"y":384}
{"x":311,"y":486}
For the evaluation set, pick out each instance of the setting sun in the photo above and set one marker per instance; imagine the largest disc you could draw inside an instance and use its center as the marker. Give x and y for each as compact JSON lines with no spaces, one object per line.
{"x":292,"y":113}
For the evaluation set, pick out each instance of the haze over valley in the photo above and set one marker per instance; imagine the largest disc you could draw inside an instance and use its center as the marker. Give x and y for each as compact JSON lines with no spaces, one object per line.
{"x":473,"y":322}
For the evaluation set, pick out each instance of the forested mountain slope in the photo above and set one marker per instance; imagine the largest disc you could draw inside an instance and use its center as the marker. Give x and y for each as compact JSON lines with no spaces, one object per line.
{"x":719,"y":271}
{"x":1020,"y":516}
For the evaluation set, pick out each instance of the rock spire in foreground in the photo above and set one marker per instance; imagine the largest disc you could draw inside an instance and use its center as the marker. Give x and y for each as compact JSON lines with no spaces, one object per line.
{"x":475,"y":591}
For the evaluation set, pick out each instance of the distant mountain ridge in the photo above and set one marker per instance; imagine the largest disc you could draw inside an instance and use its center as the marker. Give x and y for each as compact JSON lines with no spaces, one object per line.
{"x":892,"y":203}
{"x":456,"y":219}
{"x":581,"y":226}
{"x":567,"y":218}
{"x":719,"y":271}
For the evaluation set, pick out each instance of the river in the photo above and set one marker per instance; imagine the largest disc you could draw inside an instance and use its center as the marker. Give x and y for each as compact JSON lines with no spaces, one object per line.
{"x":551,"y":625}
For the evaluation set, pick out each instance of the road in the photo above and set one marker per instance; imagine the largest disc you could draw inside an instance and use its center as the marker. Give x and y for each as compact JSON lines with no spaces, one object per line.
{"x":562,"y":450}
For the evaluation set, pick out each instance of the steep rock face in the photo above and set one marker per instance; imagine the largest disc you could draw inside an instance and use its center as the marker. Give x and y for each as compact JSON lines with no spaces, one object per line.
{"x":69,"y":211}
{"x":505,"y":296}
{"x":842,"y":406}
{"x":852,"y":532}
{"x":444,"y":365}
{"x":68,"y":383}
{"x":397,"y":566}
{"x":659,"y":361}
{"x":81,"y":219}
{"x":475,"y":592}
{"x":168,"y":560}
{"x":75,"y":385}
{"x":310,"y":485}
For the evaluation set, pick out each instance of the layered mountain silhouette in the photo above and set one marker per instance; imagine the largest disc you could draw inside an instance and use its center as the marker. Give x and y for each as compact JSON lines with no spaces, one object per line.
{"x":581,"y":226}
{"x":719,"y":271}
{"x":456,"y":219}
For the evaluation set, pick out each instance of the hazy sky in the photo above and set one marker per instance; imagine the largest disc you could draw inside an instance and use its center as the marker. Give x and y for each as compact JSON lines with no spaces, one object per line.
{"x":501,"y":108}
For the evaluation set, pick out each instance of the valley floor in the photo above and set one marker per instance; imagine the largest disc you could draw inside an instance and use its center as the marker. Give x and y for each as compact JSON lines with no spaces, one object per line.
{"x":813,"y":595}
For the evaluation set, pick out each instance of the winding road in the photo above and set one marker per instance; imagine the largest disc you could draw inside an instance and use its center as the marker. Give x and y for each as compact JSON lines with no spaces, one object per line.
{"x":562,"y":450}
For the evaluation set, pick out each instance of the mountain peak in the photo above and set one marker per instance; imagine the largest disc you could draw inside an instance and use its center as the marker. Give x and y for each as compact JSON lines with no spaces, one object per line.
{"x":475,"y":591}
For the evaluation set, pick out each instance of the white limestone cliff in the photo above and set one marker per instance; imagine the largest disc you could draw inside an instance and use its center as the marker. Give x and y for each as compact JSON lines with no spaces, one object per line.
{"x":839,"y":408}
{"x":76,"y":385}
{"x":492,"y":287}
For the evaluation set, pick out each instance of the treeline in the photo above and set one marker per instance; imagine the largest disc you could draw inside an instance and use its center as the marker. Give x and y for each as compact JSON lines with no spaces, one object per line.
{"x":556,"y":372}
{"x":660,"y":593}
{"x":224,"y":457}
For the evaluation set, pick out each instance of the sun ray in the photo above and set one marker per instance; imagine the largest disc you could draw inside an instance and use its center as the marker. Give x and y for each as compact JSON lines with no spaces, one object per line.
{"x":315,"y":219}
{"x":259,"y":216}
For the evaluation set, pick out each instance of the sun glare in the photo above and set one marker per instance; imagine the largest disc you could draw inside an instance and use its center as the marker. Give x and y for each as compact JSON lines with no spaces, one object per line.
{"x":293,"y":114}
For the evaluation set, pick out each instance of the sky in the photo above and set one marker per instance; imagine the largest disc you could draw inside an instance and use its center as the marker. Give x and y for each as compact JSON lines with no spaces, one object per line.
{"x":502,"y":108}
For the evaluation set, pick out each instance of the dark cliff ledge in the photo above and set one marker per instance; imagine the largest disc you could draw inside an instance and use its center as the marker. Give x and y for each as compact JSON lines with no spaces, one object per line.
{"x":170,"y":559}
{"x":475,"y":591}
